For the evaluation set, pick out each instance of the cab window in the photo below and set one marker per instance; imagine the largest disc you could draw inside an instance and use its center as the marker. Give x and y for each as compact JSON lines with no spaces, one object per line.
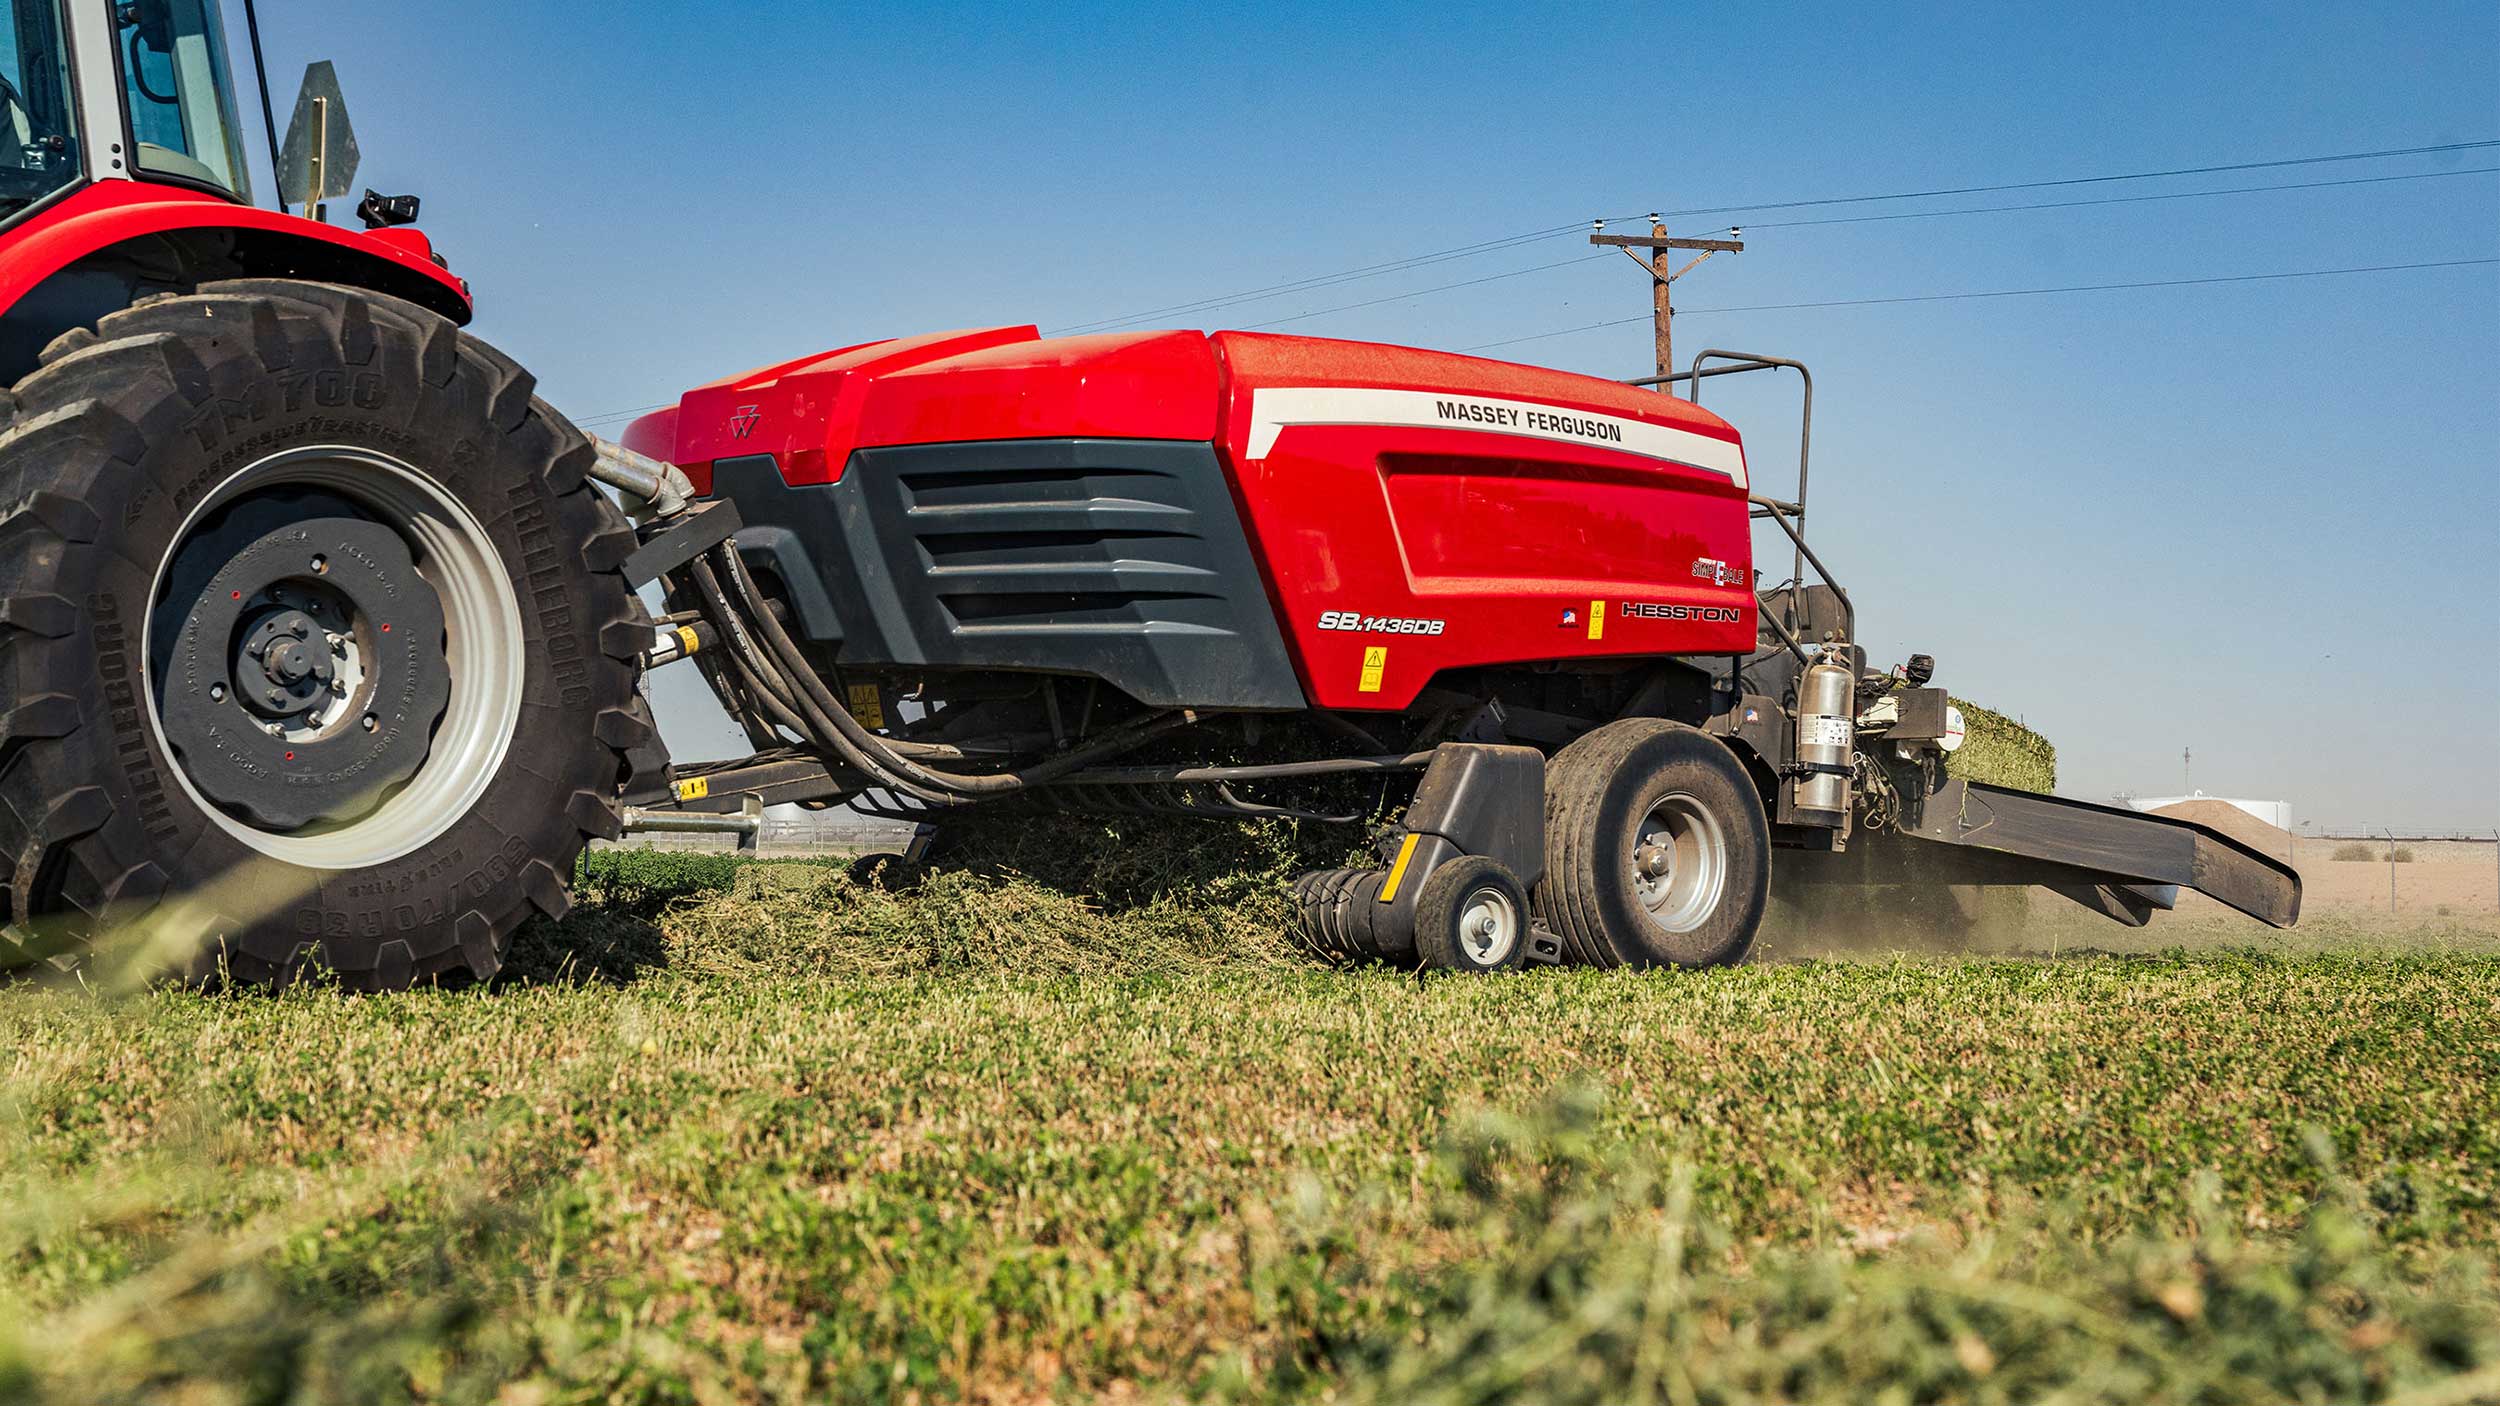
{"x":180,"y":93}
{"x":38,"y":141}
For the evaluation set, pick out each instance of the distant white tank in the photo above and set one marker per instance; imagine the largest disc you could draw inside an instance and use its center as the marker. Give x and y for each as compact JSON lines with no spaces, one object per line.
{"x":2275,"y":813}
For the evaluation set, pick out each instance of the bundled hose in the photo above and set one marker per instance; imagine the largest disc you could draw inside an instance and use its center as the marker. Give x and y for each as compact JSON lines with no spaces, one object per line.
{"x":774,"y":673}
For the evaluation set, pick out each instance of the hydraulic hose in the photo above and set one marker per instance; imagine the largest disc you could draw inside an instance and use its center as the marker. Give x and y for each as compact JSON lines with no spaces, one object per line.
{"x":838,"y":719}
{"x":792,"y":708}
{"x":882,"y":758}
{"x":826,"y":723}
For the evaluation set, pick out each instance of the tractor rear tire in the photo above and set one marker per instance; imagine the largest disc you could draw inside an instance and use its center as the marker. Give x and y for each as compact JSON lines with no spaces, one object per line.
{"x":1657,"y":851}
{"x":232,"y":497}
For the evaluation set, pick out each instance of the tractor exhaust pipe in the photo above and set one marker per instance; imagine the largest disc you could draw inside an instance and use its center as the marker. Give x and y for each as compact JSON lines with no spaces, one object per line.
{"x":652,"y":488}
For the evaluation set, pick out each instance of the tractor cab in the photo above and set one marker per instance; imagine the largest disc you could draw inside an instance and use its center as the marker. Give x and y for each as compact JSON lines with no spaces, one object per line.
{"x":99,"y":91}
{"x":122,"y":175}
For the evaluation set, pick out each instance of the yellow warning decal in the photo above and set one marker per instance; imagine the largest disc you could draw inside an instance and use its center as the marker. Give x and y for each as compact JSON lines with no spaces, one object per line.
{"x":1375,"y":663}
{"x":686,"y":639}
{"x":866,"y":706}
{"x":1597,"y":620}
{"x":694,"y":788}
{"x":1397,"y":871}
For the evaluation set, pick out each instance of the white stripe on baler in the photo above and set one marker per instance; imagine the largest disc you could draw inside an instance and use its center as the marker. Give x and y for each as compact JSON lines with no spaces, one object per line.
{"x":1274,"y":408}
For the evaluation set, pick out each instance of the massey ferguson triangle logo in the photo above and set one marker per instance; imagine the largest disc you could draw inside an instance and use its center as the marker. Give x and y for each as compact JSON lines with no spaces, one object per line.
{"x":742,"y":423}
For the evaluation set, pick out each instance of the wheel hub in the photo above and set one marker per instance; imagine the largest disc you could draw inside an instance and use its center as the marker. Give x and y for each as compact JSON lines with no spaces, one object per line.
{"x":307,"y":669}
{"x":283,"y":664}
{"x":1487,"y":925}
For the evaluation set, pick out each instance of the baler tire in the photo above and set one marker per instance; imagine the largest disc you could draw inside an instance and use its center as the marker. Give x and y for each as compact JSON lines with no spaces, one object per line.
{"x":1471,"y":884}
{"x":1599,"y":791}
{"x":114,"y":459}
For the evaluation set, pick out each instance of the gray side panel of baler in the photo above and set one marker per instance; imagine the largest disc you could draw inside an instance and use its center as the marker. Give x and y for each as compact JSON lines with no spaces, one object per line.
{"x":1122,"y":560}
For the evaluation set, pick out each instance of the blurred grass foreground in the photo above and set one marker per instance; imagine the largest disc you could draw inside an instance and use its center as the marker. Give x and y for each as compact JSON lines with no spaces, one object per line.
{"x":770,"y":1133}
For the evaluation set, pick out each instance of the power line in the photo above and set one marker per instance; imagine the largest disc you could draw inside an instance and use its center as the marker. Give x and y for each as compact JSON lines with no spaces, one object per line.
{"x":2125,"y":199}
{"x":2097,"y":180}
{"x":1421,"y":292}
{"x":1513,"y":241}
{"x":2000,"y":293}
{"x":1785,"y":307}
{"x":1530,"y":236}
{"x":1328,"y":279}
{"x":620,"y":414}
{"x":1912,"y":215}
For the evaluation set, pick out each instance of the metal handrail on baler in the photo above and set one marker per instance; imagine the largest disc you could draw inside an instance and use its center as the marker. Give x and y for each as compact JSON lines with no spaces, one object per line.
{"x":1788,"y":514}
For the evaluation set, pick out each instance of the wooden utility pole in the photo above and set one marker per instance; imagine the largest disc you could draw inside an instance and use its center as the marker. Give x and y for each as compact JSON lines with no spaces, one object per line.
{"x":1662,"y":279}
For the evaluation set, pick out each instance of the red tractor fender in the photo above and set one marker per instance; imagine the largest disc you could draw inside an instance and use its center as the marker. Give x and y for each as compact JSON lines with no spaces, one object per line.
{"x":235,"y":241}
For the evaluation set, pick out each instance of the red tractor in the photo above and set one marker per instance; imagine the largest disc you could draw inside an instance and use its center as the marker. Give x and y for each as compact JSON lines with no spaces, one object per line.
{"x":319,"y":639}
{"x":311,"y":636}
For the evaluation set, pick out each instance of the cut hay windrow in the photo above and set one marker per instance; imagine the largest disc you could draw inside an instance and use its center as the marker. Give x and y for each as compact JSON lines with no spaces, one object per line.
{"x":1037,"y":891}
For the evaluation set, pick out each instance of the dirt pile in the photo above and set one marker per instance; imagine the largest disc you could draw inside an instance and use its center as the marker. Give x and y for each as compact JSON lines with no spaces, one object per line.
{"x":2236,"y":823}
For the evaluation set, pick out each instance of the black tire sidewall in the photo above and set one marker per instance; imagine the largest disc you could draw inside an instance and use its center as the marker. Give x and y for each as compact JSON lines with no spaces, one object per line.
{"x":1692,"y":762}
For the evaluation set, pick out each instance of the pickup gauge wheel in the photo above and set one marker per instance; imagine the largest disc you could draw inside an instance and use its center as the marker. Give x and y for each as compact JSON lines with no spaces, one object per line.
{"x":1657,"y":851}
{"x":1471,"y":916}
{"x":312,"y":646}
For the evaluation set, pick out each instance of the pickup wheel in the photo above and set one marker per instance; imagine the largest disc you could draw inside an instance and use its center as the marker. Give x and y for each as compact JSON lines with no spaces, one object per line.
{"x":1471,"y":917}
{"x":312,"y":645}
{"x":1657,"y":852}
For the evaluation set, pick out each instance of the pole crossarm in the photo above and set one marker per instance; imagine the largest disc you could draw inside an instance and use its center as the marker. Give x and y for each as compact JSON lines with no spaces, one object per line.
{"x":1651,"y":241}
{"x":1661,"y":276}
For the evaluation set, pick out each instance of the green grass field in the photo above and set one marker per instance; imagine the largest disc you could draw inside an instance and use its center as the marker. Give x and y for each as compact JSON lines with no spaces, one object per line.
{"x":763,"y":1135}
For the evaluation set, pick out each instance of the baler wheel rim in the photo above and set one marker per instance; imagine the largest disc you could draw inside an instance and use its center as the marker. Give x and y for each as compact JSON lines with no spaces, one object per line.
{"x":1488,"y":925}
{"x":1679,"y":861}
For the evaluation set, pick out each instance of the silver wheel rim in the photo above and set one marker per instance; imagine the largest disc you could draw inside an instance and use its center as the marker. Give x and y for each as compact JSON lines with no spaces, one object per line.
{"x":1679,"y":862}
{"x":1488,"y":926}
{"x":482,"y":648}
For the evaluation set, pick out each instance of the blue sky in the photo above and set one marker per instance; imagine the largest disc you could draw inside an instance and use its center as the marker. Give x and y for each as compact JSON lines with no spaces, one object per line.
{"x":2256,"y":520}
